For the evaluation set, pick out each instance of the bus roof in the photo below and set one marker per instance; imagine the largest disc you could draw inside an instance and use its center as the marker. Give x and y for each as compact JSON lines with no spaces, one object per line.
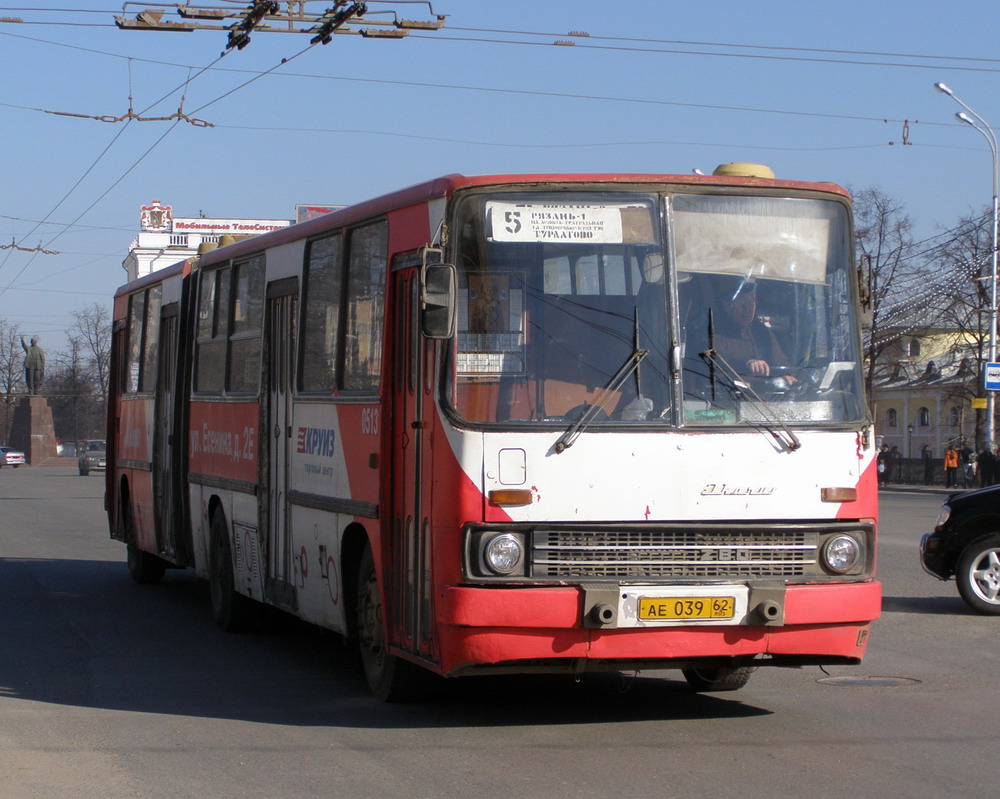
{"x":445,"y":186}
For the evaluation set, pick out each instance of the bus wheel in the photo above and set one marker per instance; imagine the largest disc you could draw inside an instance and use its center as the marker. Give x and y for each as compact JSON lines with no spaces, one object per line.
{"x":145,"y":569}
{"x":391,"y":679}
{"x":720,"y":679}
{"x":232,"y":611}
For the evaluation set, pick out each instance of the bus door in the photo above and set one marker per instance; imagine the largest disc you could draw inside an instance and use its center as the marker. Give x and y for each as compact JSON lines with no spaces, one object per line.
{"x":410,"y":558}
{"x":282,"y":301}
{"x":163,"y":437}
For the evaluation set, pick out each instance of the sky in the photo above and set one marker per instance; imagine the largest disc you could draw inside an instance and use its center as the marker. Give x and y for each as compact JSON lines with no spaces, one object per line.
{"x":840,"y":92}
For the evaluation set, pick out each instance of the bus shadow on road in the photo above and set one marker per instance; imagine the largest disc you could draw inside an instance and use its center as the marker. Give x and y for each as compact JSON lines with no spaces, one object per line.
{"x":937,"y":605}
{"x":81,"y":633}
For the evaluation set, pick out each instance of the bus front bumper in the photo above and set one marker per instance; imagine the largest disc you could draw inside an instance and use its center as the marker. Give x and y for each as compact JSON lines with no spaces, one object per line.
{"x":483,"y":627}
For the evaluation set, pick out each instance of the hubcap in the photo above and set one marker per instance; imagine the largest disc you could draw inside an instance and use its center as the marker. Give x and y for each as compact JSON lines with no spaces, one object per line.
{"x":986,"y":576}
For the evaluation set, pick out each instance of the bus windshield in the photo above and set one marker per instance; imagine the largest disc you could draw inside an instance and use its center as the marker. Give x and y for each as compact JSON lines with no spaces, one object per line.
{"x":681,"y":309}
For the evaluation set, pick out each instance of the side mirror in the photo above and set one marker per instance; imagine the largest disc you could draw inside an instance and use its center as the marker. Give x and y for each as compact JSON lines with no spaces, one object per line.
{"x":438,"y":297}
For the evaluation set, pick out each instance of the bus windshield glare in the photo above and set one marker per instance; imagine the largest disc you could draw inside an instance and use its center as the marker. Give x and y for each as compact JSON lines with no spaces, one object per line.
{"x":684,"y":310}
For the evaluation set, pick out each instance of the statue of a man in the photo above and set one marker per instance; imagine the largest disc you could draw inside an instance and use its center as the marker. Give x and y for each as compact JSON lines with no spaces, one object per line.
{"x":34,"y":366}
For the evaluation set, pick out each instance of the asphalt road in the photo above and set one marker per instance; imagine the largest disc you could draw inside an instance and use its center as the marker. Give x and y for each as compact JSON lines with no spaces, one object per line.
{"x":108,"y":689}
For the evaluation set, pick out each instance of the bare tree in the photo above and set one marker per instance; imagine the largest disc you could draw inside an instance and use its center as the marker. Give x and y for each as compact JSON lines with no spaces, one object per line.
{"x":961,"y":294}
{"x":11,"y":373}
{"x":74,"y":395}
{"x":886,"y":250}
{"x":92,"y":327}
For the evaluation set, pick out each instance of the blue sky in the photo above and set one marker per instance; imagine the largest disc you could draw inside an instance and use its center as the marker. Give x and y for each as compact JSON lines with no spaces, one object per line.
{"x":819,"y":91}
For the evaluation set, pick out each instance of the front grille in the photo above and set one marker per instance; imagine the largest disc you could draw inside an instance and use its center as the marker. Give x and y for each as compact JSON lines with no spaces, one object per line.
{"x":677,"y":553}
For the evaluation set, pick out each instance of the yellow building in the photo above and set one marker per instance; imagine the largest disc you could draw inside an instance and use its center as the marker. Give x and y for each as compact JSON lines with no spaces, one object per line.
{"x":923,"y":394}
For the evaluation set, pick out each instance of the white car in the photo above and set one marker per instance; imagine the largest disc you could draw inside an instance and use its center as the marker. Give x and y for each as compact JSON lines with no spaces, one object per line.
{"x":11,"y":457}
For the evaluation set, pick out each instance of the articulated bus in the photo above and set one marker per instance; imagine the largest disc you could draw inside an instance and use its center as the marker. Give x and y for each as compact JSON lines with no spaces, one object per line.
{"x":520,"y":423}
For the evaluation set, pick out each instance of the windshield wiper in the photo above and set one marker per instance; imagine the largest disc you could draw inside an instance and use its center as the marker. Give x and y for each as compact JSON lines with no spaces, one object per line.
{"x":780,"y":431}
{"x":565,"y":441}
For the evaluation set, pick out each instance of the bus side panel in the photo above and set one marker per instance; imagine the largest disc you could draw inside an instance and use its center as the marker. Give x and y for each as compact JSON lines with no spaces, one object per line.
{"x":333,"y":458}
{"x":223,"y":440}
{"x":134,"y":450}
{"x":358,"y":450}
{"x":316,"y":567}
{"x":222,"y":467}
{"x":248,"y":559}
{"x":204,"y":500}
{"x":116,"y":374}
{"x":866,"y":506}
{"x":458,"y":499}
{"x":409,"y":228}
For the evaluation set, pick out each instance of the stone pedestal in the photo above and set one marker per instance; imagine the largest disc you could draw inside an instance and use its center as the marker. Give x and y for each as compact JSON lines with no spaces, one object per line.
{"x":32,"y":431}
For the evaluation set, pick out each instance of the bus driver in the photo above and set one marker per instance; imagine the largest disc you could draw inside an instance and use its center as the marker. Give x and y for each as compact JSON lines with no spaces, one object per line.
{"x":742,"y":339}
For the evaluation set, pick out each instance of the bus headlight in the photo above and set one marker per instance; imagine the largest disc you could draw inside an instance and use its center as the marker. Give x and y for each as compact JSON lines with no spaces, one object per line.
{"x":503,"y":554}
{"x":841,"y":554}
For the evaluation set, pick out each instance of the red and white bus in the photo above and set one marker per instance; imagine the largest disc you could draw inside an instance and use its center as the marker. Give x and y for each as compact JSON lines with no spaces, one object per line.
{"x":521,"y":423}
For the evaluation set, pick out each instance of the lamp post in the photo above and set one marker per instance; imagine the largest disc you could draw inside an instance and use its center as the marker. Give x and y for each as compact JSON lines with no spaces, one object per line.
{"x":980,"y":124}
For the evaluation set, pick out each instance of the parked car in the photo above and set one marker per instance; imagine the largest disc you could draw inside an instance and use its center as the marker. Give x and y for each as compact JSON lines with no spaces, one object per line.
{"x":92,"y":455}
{"x":965,"y":545}
{"x":11,"y":457}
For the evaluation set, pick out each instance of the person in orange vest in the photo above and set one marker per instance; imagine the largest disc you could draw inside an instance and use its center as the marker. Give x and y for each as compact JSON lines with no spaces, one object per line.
{"x":951,"y":467}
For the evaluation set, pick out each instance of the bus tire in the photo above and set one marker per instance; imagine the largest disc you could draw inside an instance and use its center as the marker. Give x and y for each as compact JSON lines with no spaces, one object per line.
{"x":144,"y":568}
{"x":390,"y":678}
{"x":724,"y":678}
{"x":232,"y":611}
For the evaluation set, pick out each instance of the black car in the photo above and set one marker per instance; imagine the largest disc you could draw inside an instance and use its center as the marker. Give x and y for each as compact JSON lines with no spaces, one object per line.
{"x":965,"y":545}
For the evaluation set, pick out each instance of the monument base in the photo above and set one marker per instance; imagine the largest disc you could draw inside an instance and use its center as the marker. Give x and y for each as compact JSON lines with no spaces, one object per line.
{"x":32,"y":430}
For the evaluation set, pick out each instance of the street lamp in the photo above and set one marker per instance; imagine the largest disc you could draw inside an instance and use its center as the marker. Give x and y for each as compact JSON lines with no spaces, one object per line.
{"x":980,"y":124}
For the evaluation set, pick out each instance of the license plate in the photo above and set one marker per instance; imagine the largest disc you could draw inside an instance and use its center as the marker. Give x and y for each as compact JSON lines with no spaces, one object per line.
{"x":681,"y":608}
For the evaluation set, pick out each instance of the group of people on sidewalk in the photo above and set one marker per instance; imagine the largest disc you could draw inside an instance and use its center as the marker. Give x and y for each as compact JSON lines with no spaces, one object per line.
{"x":963,"y":468}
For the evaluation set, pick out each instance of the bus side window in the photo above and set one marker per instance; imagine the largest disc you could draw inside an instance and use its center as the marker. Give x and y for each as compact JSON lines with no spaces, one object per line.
{"x":321,"y":313}
{"x":151,"y":340}
{"x":248,"y":317}
{"x":136,"y":315}
{"x":213,"y":328}
{"x":365,"y":308}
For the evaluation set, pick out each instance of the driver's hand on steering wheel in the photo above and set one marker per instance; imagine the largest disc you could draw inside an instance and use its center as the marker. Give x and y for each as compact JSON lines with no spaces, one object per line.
{"x":760,"y":368}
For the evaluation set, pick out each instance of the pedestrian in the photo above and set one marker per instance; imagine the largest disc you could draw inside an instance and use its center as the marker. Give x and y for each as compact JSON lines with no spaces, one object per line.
{"x":951,"y":467}
{"x":928,"y":457}
{"x":968,"y":468}
{"x":986,"y":462}
{"x":967,"y":461}
{"x":883,"y":465}
{"x":896,"y":461}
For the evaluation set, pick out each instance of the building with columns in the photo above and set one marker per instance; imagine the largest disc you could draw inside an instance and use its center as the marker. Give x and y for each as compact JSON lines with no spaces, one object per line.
{"x":165,"y":239}
{"x":925,"y":394}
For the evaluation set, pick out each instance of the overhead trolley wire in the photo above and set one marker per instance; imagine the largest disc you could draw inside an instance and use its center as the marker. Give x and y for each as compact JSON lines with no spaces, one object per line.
{"x":140,"y":159}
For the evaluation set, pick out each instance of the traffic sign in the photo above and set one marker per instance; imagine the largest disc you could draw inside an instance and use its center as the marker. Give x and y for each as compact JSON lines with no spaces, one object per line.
{"x":991,"y":377}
